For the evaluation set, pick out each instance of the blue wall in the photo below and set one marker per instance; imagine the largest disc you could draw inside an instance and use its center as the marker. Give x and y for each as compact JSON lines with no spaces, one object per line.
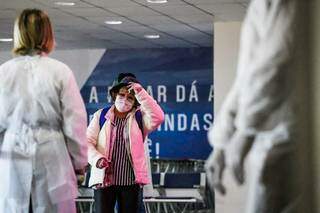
{"x":180,"y":79}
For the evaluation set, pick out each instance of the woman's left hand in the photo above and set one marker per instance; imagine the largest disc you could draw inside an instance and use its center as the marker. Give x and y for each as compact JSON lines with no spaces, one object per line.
{"x":136,"y":87}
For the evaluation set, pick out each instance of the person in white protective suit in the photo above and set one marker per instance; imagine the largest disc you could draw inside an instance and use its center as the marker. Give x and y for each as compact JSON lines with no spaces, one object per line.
{"x":42,"y":124}
{"x":257,"y":118}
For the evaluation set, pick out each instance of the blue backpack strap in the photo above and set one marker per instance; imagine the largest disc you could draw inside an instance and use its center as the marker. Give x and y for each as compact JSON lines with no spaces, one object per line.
{"x":102,"y":118}
{"x":138,"y":116}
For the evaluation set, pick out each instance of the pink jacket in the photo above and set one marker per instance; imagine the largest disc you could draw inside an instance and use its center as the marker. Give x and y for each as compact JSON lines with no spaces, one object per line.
{"x":99,"y":140}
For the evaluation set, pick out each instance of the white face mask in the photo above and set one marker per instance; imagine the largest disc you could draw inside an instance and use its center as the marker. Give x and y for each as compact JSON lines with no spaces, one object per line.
{"x":122,"y":104}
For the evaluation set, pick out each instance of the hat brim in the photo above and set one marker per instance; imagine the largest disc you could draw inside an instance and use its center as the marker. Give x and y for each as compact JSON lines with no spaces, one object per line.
{"x":117,"y":88}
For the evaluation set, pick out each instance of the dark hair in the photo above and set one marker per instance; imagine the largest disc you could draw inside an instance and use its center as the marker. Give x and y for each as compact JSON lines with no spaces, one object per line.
{"x":123,"y":75}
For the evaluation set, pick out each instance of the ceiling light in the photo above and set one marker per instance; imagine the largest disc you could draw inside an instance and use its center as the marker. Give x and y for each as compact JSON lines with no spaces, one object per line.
{"x":62,"y":3}
{"x":113,"y":22}
{"x":152,"y":36}
{"x":6,"y":39}
{"x":157,"y":1}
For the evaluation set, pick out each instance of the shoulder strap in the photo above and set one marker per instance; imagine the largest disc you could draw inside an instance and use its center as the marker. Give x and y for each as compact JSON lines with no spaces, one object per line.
{"x":138,"y":116}
{"x":102,"y":118}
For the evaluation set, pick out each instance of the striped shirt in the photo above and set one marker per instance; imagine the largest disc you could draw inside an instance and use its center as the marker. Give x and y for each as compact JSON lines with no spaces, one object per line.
{"x":123,"y":173}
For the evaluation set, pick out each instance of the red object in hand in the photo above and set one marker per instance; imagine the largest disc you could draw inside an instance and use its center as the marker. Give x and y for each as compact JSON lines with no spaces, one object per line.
{"x":102,"y":163}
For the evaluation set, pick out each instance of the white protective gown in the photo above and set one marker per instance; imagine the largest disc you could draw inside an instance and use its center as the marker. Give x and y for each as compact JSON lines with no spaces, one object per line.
{"x":261,"y":105}
{"x":42,"y":135}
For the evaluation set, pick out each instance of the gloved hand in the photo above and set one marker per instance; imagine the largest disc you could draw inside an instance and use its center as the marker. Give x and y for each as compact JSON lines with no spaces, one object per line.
{"x":215,"y":166}
{"x":219,"y":136}
{"x":236,"y":152}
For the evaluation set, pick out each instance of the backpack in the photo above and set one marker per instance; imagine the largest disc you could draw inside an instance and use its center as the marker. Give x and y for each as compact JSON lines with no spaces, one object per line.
{"x":138,"y":117}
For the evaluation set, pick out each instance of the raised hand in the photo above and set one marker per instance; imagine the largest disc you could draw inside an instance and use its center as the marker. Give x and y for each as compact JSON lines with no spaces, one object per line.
{"x":136,"y":87}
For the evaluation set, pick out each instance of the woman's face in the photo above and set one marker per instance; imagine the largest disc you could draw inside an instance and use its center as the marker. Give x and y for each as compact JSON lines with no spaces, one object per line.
{"x":124,"y":100}
{"x":124,"y":93}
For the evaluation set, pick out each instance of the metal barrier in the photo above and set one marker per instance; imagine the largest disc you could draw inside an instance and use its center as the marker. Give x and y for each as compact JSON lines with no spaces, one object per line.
{"x":179,"y":186}
{"x":179,"y":192}
{"x":85,"y":201}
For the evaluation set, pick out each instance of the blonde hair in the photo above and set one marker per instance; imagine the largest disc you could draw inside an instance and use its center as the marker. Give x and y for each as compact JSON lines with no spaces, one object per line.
{"x":33,"y":33}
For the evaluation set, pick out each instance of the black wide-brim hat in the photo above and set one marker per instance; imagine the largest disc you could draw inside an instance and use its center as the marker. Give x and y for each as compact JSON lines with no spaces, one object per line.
{"x":123,"y":79}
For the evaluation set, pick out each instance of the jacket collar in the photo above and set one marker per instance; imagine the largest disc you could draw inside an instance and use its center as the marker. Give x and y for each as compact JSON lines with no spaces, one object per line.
{"x":110,"y":114}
